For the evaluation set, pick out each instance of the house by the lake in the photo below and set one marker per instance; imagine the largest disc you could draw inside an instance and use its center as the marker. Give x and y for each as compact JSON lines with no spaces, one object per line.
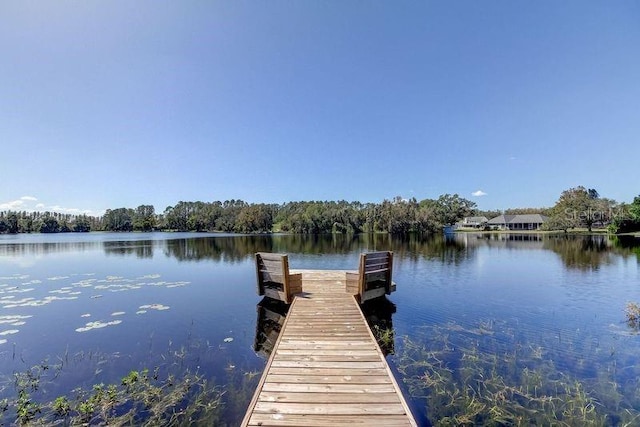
{"x":517,"y":222}
{"x":473,"y":222}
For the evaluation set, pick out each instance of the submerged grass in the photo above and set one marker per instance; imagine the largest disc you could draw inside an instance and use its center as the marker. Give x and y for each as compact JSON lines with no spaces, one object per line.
{"x":469,"y":377}
{"x":632,"y":312}
{"x":139,"y":398}
{"x":172,"y":392}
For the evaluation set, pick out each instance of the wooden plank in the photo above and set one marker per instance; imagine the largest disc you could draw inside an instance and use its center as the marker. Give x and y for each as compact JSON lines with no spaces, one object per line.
{"x":323,"y":352}
{"x":328,"y":408}
{"x":292,"y":420}
{"x":337,"y":365}
{"x":374,"y":293}
{"x":330,"y":379}
{"x":292,"y":396}
{"x":313,"y":372}
{"x":378,"y":255}
{"x":329,"y":388}
{"x":268,"y":256}
{"x":307,"y":357}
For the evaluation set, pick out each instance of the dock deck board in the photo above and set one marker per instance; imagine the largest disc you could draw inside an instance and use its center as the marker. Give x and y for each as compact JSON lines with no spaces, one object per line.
{"x":326,"y":368}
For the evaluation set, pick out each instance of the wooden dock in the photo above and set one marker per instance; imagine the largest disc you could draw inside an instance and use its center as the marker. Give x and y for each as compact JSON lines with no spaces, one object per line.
{"x":326,"y":368}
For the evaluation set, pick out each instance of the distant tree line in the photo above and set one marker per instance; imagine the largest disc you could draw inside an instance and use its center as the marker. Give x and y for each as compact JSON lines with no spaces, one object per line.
{"x":46,"y":222}
{"x":576,"y":208}
{"x":396,"y":216}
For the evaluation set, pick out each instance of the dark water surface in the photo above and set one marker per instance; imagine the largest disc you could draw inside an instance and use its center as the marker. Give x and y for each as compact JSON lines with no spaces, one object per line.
{"x":109,"y":303}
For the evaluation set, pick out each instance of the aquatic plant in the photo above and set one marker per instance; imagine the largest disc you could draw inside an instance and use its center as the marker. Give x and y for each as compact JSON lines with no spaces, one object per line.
{"x":385,"y":338}
{"x":470,"y":377}
{"x":61,"y":406}
{"x":139,"y":399}
{"x":632,"y":312}
{"x":173,"y":392}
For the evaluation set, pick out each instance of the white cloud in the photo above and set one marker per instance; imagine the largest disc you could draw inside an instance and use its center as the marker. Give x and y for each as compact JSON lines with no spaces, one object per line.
{"x":25,"y":203}
{"x":73,"y":211}
{"x":12,"y":205}
{"x":478,"y":193}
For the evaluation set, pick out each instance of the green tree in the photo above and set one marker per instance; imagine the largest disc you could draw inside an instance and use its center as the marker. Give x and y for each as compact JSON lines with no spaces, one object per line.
{"x":25,"y":225}
{"x":82,"y":224}
{"x":255,"y":219}
{"x":634,"y":209}
{"x":230,"y":211}
{"x":50,"y":225}
{"x":176,"y":216}
{"x":629,"y":221}
{"x":144,"y":218}
{"x":450,"y":209}
{"x":120,"y":219}
{"x":576,"y":207}
{"x":12,"y":223}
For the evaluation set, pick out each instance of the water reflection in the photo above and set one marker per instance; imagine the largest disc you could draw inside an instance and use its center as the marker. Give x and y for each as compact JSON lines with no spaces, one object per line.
{"x":582,"y":252}
{"x":576,"y":251}
{"x":140,"y":248}
{"x":19,"y":249}
{"x":379,"y":314}
{"x":271,"y":316}
{"x":627,"y":245}
{"x":447,"y":249}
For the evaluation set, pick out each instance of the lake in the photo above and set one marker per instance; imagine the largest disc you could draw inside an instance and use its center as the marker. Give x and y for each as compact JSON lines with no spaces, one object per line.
{"x":484,"y":328}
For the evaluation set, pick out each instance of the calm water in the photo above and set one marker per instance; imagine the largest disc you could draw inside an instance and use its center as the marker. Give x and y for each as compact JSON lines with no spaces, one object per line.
{"x":164,"y":298}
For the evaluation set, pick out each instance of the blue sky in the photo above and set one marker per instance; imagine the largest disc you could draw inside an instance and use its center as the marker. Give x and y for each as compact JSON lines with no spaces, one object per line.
{"x":107,"y":104}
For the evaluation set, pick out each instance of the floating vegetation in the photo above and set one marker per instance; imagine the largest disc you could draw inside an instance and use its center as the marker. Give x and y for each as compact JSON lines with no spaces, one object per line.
{"x":97,"y":325}
{"x":13,"y":319}
{"x":20,"y":291}
{"x":72,"y":291}
{"x":84,"y":283}
{"x":469,"y":377}
{"x":32,"y":302}
{"x":15,"y":277}
{"x":177,"y":284}
{"x":158,"y":307}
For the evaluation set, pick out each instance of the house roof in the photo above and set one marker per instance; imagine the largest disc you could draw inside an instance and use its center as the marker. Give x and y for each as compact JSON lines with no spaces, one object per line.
{"x":518,"y":219}
{"x":528,"y":219}
{"x":501,"y":219}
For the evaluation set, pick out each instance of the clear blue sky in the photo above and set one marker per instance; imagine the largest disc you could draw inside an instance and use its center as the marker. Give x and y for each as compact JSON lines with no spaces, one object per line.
{"x":107,"y":104}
